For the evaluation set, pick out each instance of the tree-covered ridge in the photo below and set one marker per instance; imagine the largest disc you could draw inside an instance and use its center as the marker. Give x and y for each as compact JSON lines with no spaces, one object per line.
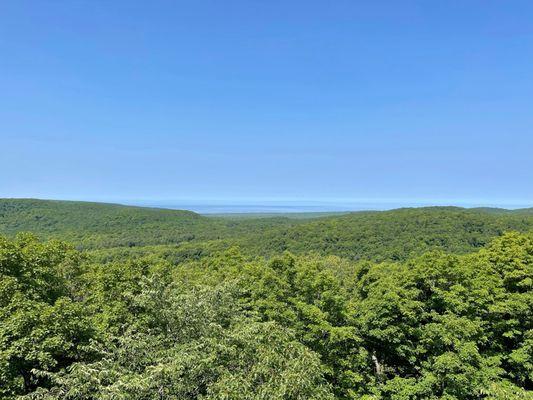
{"x":227,"y":326}
{"x":393,"y":235}
{"x":101,"y":225}
{"x":124,"y":231}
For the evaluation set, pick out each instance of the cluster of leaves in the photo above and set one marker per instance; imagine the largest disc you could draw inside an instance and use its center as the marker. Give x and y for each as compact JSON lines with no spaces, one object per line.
{"x":42,"y":326}
{"x":126,"y":331}
{"x":228,"y":326}
{"x":439,"y":326}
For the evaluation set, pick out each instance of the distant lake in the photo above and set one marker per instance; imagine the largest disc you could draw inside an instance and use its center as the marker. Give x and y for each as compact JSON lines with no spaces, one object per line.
{"x":295,"y":207}
{"x":254,"y":208}
{"x":267,"y":208}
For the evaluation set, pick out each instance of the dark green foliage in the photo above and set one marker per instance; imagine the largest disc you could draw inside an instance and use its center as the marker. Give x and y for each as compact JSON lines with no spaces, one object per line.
{"x":391,"y":235}
{"x":99,"y":225}
{"x":122,"y":231}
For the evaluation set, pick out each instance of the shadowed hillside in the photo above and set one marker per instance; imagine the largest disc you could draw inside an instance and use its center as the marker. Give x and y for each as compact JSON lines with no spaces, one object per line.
{"x":102,"y":225}
{"x":394,"y":235}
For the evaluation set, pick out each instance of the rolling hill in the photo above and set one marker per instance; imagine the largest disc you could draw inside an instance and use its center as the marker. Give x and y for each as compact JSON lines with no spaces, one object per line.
{"x":379,"y":235}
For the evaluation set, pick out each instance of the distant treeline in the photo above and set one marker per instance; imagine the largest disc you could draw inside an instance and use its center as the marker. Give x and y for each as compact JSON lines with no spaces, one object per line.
{"x":387,"y":235}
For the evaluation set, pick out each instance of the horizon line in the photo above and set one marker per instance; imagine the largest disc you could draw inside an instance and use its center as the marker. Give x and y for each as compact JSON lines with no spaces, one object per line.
{"x":338,"y":205}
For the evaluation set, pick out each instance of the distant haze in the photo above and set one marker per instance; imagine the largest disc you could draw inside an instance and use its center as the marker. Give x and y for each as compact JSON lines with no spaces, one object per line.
{"x":280,"y":206}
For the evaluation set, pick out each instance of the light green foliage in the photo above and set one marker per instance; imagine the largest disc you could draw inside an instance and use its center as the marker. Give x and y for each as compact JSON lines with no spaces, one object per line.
{"x":441,"y":326}
{"x":452,"y":326}
{"x":189,"y":343}
{"x":42,"y":326}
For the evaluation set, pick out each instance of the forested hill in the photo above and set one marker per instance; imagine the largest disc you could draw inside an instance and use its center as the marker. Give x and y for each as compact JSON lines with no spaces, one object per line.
{"x":386,"y":235}
{"x":83,"y":221}
{"x":396,"y":234}
{"x":103,"y":225}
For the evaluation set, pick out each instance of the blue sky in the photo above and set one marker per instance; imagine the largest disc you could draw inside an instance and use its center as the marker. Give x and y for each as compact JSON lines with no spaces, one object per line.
{"x":371,"y":101}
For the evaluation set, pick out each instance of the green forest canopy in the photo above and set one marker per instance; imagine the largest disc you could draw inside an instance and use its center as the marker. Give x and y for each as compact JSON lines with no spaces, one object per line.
{"x":431,"y":303}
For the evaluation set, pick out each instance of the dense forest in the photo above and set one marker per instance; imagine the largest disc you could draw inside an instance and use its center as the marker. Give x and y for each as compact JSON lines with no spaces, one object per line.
{"x":117,"y":230}
{"x":102,"y":301}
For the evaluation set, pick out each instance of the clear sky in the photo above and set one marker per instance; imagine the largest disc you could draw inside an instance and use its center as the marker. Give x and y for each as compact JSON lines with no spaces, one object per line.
{"x":427,"y":101}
